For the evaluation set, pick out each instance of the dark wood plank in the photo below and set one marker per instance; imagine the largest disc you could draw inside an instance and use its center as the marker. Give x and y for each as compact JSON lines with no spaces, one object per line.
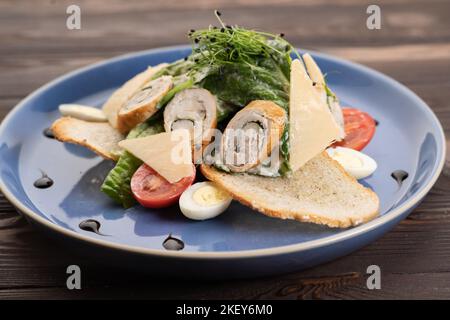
{"x":33,"y":28}
{"x":39,"y":268}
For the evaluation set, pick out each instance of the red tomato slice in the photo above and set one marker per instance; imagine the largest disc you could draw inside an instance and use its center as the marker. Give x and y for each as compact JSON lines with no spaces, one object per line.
{"x":359,"y":129}
{"x":153,"y":191}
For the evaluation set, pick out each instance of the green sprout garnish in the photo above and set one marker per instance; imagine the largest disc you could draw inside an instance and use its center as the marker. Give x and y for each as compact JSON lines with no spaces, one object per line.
{"x":218,"y":46}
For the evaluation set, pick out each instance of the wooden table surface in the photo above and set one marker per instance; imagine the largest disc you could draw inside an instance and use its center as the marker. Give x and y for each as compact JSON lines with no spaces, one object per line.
{"x":413,"y":46}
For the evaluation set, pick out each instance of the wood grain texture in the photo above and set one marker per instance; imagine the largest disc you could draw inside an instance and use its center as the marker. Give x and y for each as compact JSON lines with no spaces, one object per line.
{"x":413,"y":47}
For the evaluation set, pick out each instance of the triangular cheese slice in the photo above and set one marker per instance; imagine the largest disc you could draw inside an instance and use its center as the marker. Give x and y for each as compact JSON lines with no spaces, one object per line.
{"x":168,"y":153}
{"x":333,"y":104}
{"x":312,"y":127}
{"x":313,"y":70}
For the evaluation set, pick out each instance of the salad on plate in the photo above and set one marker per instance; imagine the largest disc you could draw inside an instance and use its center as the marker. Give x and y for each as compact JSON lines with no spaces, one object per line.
{"x":244,"y":117}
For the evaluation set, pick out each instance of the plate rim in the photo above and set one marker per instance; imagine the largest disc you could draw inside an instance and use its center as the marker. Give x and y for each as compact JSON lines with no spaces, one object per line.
{"x":253,"y":253}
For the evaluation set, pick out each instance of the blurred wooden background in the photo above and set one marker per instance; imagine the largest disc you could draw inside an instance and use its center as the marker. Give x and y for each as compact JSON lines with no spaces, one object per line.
{"x":413,"y":46}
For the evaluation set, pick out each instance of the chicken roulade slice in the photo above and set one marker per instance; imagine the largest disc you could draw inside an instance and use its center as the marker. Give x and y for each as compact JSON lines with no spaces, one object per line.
{"x":195,"y":110}
{"x":332,"y":101}
{"x":142,"y":105}
{"x":252,"y":134}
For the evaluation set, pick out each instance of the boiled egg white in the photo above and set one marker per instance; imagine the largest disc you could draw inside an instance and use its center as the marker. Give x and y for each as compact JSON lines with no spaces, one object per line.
{"x":355,"y":163}
{"x":82,"y":112}
{"x":204,"y":200}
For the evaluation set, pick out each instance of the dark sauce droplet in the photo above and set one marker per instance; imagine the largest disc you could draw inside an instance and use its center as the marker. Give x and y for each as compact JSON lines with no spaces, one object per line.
{"x":399,"y":176}
{"x":43,"y":182}
{"x":90,"y":225}
{"x":49,"y":133}
{"x":377,"y":122}
{"x":173,"y":244}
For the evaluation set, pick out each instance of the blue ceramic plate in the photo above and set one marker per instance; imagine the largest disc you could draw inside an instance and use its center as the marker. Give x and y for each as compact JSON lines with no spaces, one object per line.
{"x":240,"y":242}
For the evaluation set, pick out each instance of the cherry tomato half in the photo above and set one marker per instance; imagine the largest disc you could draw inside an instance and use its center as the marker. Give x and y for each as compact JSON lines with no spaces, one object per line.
{"x":153,"y":191}
{"x":359,"y":129}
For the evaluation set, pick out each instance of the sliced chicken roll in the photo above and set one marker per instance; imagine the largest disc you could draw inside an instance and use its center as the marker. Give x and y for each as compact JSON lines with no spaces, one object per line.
{"x":318,"y":79}
{"x":195,"y":110}
{"x":252,"y":134}
{"x":143,"y":103}
{"x":126,"y":91}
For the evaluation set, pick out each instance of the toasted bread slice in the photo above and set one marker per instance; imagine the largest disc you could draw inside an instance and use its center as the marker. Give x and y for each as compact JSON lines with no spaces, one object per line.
{"x":320,"y":192}
{"x":125,"y":92}
{"x":100,"y":137}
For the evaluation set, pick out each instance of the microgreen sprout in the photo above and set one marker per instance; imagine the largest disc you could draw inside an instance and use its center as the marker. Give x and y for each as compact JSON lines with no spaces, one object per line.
{"x":226,"y":44}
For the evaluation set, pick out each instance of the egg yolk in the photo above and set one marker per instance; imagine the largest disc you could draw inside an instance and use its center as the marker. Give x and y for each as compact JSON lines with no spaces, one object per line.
{"x":347,"y":159}
{"x":209,"y":196}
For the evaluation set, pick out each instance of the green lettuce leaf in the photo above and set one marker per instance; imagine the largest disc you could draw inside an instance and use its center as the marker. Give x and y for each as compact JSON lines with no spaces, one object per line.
{"x":172,"y":92}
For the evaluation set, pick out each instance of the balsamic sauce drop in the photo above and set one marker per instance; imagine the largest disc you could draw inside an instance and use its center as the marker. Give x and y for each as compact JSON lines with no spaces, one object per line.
{"x":90,"y":225}
{"x":173,"y":244}
{"x":43,"y":182}
{"x":49,"y":133}
{"x":399,"y":176}
{"x":377,"y":122}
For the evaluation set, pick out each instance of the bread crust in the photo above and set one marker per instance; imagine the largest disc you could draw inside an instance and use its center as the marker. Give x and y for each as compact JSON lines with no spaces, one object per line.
{"x":60,"y":129}
{"x":218,"y":177}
